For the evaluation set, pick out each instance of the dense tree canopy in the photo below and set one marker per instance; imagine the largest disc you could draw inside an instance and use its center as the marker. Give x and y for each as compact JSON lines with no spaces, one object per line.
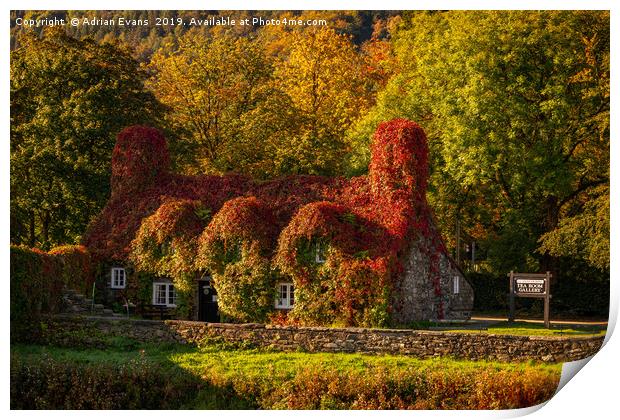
{"x":321,"y":72}
{"x":221,"y":99}
{"x":69,"y":99}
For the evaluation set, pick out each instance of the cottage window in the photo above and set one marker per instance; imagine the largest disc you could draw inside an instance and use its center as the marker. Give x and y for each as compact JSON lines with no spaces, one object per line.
{"x":319,"y":253}
{"x":286,"y":296}
{"x":118,"y":279}
{"x":164,"y":294}
{"x":456,"y":286}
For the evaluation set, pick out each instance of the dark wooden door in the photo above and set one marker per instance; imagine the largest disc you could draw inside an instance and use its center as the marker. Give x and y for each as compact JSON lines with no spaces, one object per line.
{"x":207,"y":302}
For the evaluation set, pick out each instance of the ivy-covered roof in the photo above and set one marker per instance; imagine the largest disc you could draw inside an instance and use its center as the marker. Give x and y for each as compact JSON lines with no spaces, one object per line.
{"x":370,"y":220}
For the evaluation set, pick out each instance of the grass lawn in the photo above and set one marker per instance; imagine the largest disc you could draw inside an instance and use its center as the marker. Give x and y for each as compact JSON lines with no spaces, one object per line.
{"x":251,"y":378}
{"x":531,"y":329}
{"x":513,"y":328}
{"x":227,"y":361}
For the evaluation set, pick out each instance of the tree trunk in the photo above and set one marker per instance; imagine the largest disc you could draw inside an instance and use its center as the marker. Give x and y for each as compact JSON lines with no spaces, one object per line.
{"x":550,"y":222}
{"x":45,"y":225}
{"x":31,"y":230}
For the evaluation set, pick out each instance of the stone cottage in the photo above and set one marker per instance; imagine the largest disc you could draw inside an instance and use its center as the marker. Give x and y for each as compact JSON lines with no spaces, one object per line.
{"x":358,"y":251}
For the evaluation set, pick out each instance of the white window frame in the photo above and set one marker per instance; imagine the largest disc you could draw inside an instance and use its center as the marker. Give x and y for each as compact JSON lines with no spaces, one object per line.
{"x":456,"y":285}
{"x":118,"y":278}
{"x":169,"y":294}
{"x":285,"y":300}
{"x":319,"y":253}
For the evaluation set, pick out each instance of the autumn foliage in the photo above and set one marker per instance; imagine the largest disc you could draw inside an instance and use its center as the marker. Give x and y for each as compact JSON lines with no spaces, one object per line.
{"x":236,"y":248}
{"x":250,"y":235}
{"x":44,"y":382}
{"x":139,"y":157}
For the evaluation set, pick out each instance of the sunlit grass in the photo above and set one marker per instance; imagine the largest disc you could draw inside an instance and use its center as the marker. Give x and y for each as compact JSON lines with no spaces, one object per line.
{"x":228,"y":362}
{"x":530,"y":329}
{"x":234,"y":377}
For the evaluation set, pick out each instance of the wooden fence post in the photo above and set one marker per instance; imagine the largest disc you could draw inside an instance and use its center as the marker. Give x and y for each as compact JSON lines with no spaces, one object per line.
{"x":511,"y":298}
{"x":547,"y":298}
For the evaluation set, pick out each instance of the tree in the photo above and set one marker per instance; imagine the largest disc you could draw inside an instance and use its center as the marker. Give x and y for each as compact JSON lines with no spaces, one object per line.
{"x":516,"y":105}
{"x":321,"y":71}
{"x":69,"y":98}
{"x":219,"y":92}
{"x":585,"y":233}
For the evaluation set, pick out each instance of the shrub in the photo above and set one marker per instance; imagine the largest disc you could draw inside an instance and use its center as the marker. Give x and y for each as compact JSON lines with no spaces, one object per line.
{"x":490,"y":291}
{"x":571,"y":295}
{"x":36,"y":289}
{"x":380,"y":389}
{"x":49,"y":384}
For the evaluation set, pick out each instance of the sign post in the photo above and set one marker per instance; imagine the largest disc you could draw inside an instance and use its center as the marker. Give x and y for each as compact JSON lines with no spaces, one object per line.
{"x":530,"y":285}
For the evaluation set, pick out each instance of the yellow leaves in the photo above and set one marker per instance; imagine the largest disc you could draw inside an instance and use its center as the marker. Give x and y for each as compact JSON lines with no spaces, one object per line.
{"x":323,"y":73}
{"x":274,"y":103}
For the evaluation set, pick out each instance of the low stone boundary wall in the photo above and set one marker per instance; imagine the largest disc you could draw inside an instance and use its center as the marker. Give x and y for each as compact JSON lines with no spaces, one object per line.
{"x":422,"y":344}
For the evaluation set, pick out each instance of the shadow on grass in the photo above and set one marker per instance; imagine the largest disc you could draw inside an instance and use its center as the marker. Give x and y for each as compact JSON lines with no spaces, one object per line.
{"x":57,"y":378}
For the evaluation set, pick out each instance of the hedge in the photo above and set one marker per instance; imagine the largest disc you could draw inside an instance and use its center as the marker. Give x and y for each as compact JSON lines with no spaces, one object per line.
{"x":77,"y":271}
{"x":49,"y":384}
{"x":37,"y":280}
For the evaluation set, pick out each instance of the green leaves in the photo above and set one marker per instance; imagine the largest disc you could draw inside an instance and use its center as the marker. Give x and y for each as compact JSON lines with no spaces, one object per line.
{"x":516,"y":105}
{"x":69,"y":98}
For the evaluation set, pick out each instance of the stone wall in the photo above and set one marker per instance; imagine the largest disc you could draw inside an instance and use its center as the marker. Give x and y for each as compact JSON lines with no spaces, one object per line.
{"x":422,"y":344}
{"x":416,"y":300}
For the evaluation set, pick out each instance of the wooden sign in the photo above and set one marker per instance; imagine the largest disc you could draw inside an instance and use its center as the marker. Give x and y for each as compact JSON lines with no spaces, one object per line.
{"x":530,"y":285}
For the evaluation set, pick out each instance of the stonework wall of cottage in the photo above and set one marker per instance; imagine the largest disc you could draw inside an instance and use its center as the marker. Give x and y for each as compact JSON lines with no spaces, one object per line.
{"x":415,"y":297}
{"x":421,"y":344}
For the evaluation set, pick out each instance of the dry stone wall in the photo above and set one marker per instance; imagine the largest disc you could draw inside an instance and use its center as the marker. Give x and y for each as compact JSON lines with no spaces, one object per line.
{"x":422,"y":344}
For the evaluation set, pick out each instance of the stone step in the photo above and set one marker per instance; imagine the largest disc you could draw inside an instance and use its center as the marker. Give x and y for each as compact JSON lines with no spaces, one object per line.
{"x":88,"y":301}
{"x":108,"y":311}
{"x":98,"y":306}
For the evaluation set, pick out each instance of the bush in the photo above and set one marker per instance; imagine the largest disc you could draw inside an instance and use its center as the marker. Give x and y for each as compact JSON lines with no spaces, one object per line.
{"x":490,"y":291}
{"x":77,"y":273}
{"x":380,"y":389}
{"x":36,"y":289}
{"x":37,"y":280}
{"x":49,"y":384}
